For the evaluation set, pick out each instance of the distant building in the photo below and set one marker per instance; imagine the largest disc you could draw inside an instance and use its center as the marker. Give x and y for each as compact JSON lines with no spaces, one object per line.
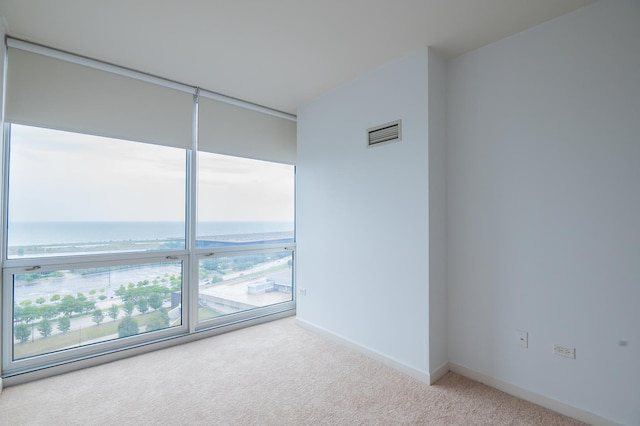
{"x":244,"y":239}
{"x":276,"y":282}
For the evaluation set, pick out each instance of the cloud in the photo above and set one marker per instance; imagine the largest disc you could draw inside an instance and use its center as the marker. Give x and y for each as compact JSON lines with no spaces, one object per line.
{"x":62,"y":176}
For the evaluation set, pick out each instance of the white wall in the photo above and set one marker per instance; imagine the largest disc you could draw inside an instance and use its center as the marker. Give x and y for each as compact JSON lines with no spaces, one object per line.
{"x":362,"y":214}
{"x":543,"y":187}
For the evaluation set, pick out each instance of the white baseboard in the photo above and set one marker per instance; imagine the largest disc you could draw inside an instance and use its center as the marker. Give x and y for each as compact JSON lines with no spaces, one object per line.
{"x":533,"y":397}
{"x":438,"y":373}
{"x":384,"y":359}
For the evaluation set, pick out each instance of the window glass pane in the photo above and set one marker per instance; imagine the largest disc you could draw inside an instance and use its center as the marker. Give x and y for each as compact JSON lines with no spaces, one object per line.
{"x":239,"y":283}
{"x":243,"y":201}
{"x":64,"y":309}
{"x":71,"y":193}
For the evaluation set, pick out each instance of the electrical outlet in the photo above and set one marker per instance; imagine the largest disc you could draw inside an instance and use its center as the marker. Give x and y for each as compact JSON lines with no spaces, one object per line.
{"x":523,"y":338}
{"x":564,"y":351}
{"x":302,"y":291}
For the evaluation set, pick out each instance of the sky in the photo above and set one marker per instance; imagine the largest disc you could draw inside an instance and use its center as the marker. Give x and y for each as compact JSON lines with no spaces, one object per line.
{"x":62,"y":176}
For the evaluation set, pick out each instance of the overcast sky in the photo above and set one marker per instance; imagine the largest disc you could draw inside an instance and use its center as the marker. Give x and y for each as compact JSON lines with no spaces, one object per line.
{"x":61,"y":176}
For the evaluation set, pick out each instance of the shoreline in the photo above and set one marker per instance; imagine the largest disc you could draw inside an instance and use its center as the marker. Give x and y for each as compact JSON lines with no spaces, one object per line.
{"x":170,"y":243}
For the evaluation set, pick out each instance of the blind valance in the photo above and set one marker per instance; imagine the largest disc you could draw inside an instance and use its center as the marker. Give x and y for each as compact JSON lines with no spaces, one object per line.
{"x":53,"y":89}
{"x":49,"y":92}
{"x":231,"y":130}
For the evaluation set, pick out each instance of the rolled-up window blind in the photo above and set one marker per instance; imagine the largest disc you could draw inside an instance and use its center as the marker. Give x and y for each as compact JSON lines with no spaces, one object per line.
{"x":48,"y":92}
{"x":227,"y":129}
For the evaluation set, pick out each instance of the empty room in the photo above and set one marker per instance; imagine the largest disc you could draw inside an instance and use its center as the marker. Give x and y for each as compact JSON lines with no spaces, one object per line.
{"x":320,"y":212}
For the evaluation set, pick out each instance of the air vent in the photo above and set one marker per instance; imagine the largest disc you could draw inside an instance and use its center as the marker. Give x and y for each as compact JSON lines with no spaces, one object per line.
{"x":390,"y":132}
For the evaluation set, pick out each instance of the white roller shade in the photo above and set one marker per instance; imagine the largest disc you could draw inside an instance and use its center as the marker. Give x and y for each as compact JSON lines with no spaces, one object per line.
{"x":47,"y":92}
{"x":231,"y":130}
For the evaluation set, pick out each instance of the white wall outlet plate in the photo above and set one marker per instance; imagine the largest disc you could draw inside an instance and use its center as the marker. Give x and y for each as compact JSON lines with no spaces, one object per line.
{"x":564,"y":351}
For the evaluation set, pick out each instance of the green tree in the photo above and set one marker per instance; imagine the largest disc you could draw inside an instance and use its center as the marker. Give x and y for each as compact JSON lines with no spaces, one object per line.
{"x":136,"y":293}
{"x":64,"y":324}
{"x":29,"y":314}
{"x":22,"y":332}
{"x":92,"y":292}
{"x":17,"y":313}
{"x":44,"y":327}
{"x":97,"y":316}
{"x":40,"y":300}
{"x":175,"y":285}
{"x":121,"y":292}
{"x":48,"y":311}
{"x":83,"y":306}
{"x":128,"y":307}
{"x":81,"y":303}
{"x":68,"y":305}
{"x":143,"y":305}
{"x":158,"y":321}
{"x":128,"y":327}
{"x":89,"y":306}
{"x":210,"y":264}
{"x":54,"y":298}
{"x":113,"y":312}
{"x":155,"y":301}
{"x":202,"y":273}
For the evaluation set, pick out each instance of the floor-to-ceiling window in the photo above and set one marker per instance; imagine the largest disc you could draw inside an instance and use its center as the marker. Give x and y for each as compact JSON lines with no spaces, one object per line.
{"x":130,"y":216}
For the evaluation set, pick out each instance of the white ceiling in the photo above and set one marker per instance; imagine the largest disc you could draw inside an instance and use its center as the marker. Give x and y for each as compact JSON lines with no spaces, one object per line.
{"x":277,"y":53}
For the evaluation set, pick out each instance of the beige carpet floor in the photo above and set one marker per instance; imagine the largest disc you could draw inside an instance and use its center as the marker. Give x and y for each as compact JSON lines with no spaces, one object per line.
{"x":271,"y":374}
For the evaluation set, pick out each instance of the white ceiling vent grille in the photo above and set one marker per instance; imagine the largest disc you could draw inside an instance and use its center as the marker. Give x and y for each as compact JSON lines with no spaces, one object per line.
{"x":390,"y":132}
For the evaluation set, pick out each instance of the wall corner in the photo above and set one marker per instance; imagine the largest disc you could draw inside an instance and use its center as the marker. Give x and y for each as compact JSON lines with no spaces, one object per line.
{"x":436,"y":121}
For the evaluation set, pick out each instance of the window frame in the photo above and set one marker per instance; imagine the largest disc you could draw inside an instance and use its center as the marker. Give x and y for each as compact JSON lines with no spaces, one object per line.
{"x":17,"y":366}
{"x":189,"y":257}
{"x":250,"y":313}
{"x":15,"y":372}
